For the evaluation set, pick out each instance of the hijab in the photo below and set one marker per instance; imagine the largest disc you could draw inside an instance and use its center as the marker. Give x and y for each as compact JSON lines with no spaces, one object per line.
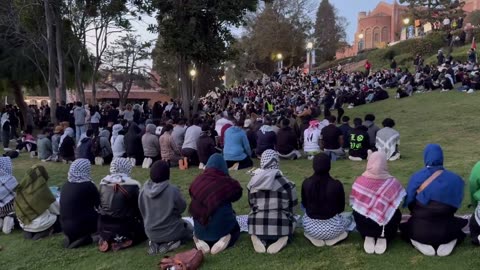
{"x":8,"y":182}
{"x":80,"y":171}
{"x":217,"y":162}
{"x":377,"y":167}
{"x":447,"y":188}
{"x":376,"y":194}
{"x":4,"y":119}
{"x":68,"y":132}
{"x":115,"y":130}
{"x":120,"y":170}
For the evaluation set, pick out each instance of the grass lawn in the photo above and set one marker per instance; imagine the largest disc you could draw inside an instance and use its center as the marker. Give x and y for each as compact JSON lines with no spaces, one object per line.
{"x":449,"y":119}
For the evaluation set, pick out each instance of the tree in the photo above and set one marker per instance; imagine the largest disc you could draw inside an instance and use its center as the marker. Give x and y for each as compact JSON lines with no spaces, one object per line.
{"x":474,"y":18}
{"x":435,"y":10}
{"x":197,"y":32}
{"x":329,"y":31}
{"x":121,"y":61}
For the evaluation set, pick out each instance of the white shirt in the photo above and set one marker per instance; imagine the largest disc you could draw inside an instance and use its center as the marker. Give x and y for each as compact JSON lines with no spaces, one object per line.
{"x":191,"y":137}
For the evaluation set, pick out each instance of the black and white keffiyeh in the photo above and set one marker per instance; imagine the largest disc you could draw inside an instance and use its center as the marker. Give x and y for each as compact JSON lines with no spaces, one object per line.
{"x":8,"y":183}
{"x":80,"y":171}
{"x":270,"y":160}
{"x":120,"y":170}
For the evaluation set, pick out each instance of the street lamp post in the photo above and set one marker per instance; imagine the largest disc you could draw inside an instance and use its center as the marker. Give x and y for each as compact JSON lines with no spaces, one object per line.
{"x":406,"y":22}
{"x":280,"y":60}
{"x":360,"y":42}
{"x":193,"y":74}
{"x":309,"y":56}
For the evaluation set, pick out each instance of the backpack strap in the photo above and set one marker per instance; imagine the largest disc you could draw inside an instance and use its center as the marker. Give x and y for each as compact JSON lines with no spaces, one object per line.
{"x":425,"y":184}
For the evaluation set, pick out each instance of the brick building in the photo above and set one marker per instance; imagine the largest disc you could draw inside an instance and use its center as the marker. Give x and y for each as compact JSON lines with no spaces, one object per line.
{"x":383,"y":25}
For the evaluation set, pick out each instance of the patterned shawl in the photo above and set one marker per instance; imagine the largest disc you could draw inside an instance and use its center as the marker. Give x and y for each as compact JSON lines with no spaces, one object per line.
{"x":120,"y":170}
{"x":80,"y":171}
{"x":8,"y":183}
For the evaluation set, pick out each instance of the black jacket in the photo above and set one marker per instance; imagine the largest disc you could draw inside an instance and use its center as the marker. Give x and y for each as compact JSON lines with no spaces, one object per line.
{"x":205,"y":147}
{"x":286,"y":141}
{"x":79,"y":219}
{"x":133,"y":143}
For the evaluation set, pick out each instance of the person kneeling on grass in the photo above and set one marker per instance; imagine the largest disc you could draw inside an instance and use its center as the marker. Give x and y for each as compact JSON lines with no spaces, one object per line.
{"x":287,"y":142}
{"x":272,"y":198}
{"x":44,"y":145}
{"x":35,"y":206}
{"x":8,"y":183}
{"x":324,"y":200}
{"x":213,"y":192}
{"x":311,"y":139}
{"x":237,"y":150}
{"x":388,"y":140}
{"x":375,"y":198}
{"x":475,"y":199}
{"x":433,"y":196}
{"x":120,"y":223}
{"x":79,"y":198}
{"x":162,"y":205}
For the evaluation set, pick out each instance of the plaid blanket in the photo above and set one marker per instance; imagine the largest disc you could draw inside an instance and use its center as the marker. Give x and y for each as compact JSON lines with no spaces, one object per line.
{"x":377,"y":199}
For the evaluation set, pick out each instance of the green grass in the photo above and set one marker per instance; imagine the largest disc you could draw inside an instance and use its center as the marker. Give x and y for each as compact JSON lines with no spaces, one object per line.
{"x":449,"y":119}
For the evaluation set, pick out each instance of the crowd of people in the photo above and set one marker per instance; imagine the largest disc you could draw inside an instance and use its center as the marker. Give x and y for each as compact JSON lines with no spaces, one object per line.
{"x":270,"y":119}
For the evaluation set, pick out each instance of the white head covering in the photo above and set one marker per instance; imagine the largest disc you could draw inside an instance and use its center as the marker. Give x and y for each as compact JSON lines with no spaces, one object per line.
{"x":68,"y":132}
{"x":8,"y":183}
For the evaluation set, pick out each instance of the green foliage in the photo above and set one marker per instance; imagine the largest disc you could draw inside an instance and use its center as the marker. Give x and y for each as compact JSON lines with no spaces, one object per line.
{"x":473,"y":18}
{"x":434,"y":10}
{"x":329,"y":31}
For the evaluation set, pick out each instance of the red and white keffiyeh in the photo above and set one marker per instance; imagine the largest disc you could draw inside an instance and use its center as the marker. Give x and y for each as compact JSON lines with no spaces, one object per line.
{"x":377,"y":199}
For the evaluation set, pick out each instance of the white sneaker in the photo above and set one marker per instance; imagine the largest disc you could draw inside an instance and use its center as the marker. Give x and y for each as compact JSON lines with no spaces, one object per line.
{"x":278,"y":245}
{"x":369,"y":245}
{"x":201,"y":166}
{"x":257,"y":244}
{"x":201,"y":245}
{"x":471,"y":91}
{"x":426,"y":250}
{"x":221,"y":244}
{"x":7,"y":149}
{"x":234,"y":167}
{"x":8,"y":223}
{"x":336,"y":240}
{"x":381,"y":246}
{"x":315,"y":242}
{"x":310,"y":157}
{"x":32,"y":154}
{"x":354,"y":158}
{"x":446,"y":249}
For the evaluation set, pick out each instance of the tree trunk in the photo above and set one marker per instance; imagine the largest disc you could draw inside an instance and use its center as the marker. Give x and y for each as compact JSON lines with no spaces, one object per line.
{"x":52,"y":91}
{"x":78,"y":81}
{"x":202,"y":70}
{"x":19,"y":100}
{"x":186,"y":98}
{"x":62,"y":81}
{"x":93,"y":81}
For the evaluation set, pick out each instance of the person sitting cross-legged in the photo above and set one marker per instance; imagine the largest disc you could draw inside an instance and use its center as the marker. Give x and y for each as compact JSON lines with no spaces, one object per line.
{"x":388,"y":140}
{"x":332,"y":139}
{"x":212,"y":193}
{"x":287,"y":142}
{"x":161,"y":205}
{"x":272,"y":198}
{"x":375,"y":198}
{"x":323,"y":198}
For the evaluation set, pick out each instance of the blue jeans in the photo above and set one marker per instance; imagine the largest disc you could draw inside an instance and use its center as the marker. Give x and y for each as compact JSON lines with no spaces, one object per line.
{"x":79,"y":130}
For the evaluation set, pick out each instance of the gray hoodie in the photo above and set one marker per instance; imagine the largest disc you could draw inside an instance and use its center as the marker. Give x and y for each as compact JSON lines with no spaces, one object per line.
{"x":150,"y":142}
{"x":105,"y":147}
{"x":44,"y":146}
{"x":162,"y":205}
{"x":79,"y":114}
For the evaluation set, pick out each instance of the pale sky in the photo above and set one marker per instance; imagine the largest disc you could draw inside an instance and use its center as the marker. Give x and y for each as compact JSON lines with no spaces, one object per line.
{"x":346,"y":8}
